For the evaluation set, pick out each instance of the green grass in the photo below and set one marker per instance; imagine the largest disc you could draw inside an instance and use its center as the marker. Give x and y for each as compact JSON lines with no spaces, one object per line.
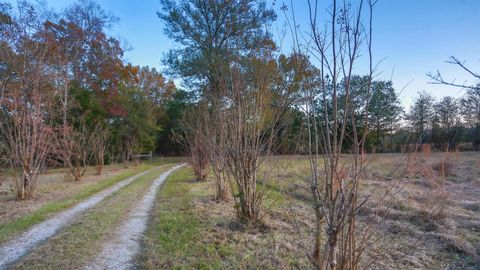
{"x":77,"y":244}
{"x":173,"y":239}
{"x":179,"y":236}
{"x":18,"y":225}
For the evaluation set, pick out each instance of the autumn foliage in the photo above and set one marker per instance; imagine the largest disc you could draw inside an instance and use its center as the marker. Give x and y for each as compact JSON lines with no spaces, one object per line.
{"x":68,"y":98}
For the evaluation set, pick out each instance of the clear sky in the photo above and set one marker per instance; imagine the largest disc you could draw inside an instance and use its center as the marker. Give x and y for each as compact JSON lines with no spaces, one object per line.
{"x":411,"y":37}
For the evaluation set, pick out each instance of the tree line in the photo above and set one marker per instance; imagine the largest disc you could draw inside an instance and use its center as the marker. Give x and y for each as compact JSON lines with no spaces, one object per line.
{"x":448,"y":123}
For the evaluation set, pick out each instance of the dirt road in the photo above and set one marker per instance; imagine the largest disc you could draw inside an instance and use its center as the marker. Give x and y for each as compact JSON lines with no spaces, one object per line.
{"x":19,"y":246}
{"x":124,"y":244}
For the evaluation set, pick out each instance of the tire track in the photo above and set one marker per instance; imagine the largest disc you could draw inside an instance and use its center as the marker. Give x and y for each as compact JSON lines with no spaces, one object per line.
{"x":125,"y":244}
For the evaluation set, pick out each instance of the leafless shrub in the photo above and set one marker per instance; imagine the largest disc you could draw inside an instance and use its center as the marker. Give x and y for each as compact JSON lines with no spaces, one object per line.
{"x":251,"y":129}
{"x":28,"y":142}
{"x":198,"y":158}
{"x":419,"y":165}
{"x":337,"y":121}
{"x":75,"y":148}
{"x":192,"y":138}
{"x":426,"y":149}
{"x":99,"y":142}
{"x":27,"y":99}
{"x":444,"y":167}
{"x":126,"y":149}
{"x":335,"y":187}
{"x":214,"y":136}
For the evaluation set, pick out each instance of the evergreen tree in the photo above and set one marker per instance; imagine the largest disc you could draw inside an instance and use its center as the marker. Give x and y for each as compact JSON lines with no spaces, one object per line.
{"x":420,"y":116}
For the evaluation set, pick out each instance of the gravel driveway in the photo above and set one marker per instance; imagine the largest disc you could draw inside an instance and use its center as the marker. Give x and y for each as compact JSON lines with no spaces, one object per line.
{"x":118,"y":252}
{"x":20,"y":245}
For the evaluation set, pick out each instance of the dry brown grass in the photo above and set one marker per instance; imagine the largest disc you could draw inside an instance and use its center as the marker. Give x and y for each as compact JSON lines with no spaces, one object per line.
{"x":429,"y":224}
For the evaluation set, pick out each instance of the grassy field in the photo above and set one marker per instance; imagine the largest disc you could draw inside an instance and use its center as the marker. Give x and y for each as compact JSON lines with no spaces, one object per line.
{"x":433,"y":222}
{"x":55,"y":193}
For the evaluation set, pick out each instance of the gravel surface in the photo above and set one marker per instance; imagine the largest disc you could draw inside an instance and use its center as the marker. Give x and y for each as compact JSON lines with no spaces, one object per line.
{"x":17,"y":247}
{"x":118,"y":252}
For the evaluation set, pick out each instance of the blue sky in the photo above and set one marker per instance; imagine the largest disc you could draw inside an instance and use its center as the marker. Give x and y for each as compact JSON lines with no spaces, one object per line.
{"x":411,"y":37}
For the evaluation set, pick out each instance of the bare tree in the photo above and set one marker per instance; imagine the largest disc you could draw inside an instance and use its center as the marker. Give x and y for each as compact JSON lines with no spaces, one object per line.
{"x":192,"y":138}
{"x":27,"y":98}
{"x":253,"y":111}
{"x":99,"y":141}
{"x":75,"y":147}
{"x":336,"y":126}
{"x":437,"y":78}
{"x":337,"y":118}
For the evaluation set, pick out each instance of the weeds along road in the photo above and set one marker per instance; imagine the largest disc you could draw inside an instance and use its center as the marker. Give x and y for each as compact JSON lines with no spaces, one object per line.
{"x":19,"y":246}
{"x":118,"y":252}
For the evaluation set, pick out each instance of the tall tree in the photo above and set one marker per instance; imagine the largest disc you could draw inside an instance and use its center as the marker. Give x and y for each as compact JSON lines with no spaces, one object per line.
{"x":447,"y":112}
{"x":134,"y":119}
{"x":384,"y":111}
{"x":89,"y":68}
{"x":213,"y":36}
{"x":470,"y":104}
{"x":471,"y":107}
{"x":420,"y":115}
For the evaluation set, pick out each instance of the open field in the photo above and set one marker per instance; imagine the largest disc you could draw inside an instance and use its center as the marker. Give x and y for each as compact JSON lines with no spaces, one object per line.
{"x":432,"y":222}
{"x":429,"y":224}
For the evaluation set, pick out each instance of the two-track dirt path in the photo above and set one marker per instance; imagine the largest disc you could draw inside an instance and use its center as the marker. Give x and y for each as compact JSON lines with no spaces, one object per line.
{"x":20,"y":245}
{"x":119,"y":252}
